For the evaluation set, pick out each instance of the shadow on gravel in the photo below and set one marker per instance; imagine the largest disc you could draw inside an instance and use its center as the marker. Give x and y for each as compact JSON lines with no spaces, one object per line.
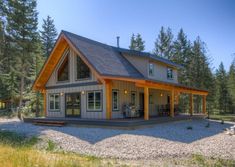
{"x":174,"y":131}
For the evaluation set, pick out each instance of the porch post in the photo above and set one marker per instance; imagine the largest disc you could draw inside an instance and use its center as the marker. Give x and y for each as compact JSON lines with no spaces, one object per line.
{"x":204,"y":104}
{"x":108,"y":91}
{"x":44,"y":102}
{"x":191,"y":104}
{"x":172,"y":105}
{"x":146,"y":103}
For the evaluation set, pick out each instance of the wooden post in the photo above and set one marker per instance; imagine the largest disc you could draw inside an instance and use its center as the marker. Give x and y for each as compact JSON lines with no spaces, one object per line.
{"x":108,"y":90}
{"x":177,"y":97}
{"x":191,"y":104}
{"x":172,"y":103}
{"x":146,"y":103}
{"x":44,"y":102}
{"x":204,"y":104}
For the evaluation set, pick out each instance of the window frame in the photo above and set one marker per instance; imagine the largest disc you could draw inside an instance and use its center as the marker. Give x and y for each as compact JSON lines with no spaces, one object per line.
{"x":76,"y":75}
{"x":54,"y":102}
{"x":117,"y":91}
{"x":94,"y":101}
{"x":134,"y":92}
{"x":66,"y":54}
{"x":167,"y":73}
{"x":151,"y":70}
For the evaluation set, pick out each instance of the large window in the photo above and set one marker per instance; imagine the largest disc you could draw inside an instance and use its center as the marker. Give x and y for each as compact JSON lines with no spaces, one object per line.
{"x":83,"y":70}
{"x":133,"y":98}
{"x":54,"y":102}
{"x":151,"y":69}
{"x":63,"y":71}
{"x":94,"y":101}
{"x":169,"y":73}
{"x":115,"y":100}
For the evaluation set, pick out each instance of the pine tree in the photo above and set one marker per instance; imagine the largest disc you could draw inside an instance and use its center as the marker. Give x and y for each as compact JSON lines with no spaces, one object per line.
{"x":231,"y":85}
{"x":222,"y":89}
{"x":164,"y":43}
{"x":180,"y":55}
{"x":133,"y":42}
{"x":48,"y":35}
{"x":22,"y":32}
{"x":137,"y":43}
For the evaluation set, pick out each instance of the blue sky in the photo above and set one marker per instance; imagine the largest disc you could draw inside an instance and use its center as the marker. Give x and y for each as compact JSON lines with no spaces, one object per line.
{"x":103,"y":20}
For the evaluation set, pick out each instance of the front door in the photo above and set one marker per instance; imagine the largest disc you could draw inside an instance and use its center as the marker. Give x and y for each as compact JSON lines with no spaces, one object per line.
{"x":73,"y":105}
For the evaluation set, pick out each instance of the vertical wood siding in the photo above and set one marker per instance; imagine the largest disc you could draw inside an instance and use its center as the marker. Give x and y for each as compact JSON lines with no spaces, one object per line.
{"x":84,"y":112}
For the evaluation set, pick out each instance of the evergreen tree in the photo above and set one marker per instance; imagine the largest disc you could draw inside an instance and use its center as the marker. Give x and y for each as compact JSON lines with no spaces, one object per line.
{"x":164,"y":43}
{"x":22,"y":32}
{"x":231,"y":85}
{"x":180,"y":55}
{"x":222,"y":89}
{"x":133,"y":42}
{"x":48,"y":35}
{"x":137,"y":43}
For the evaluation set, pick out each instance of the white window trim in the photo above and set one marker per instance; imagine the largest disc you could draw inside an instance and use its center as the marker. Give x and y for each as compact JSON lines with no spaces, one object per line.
{"x":117,"y":91}
{"x":101,"y":101}
{"x":53,"y":109}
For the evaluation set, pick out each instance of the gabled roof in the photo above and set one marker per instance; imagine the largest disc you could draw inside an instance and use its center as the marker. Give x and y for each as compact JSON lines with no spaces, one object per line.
{"x":104,"y":58}
{"x":106,"y":61}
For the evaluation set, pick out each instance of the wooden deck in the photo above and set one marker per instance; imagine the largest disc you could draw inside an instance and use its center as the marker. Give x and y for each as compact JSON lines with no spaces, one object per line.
{"x":131,"y":122}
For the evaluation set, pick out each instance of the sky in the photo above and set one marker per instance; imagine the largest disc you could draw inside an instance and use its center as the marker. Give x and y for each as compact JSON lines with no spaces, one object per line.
{"x":104,"y":20}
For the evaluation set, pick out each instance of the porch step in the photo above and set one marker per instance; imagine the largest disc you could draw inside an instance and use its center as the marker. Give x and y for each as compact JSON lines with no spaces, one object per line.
{"x":49,"y":123}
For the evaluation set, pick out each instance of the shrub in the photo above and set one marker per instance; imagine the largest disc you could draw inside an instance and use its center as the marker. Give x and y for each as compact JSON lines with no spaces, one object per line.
{"x":51,"y":146}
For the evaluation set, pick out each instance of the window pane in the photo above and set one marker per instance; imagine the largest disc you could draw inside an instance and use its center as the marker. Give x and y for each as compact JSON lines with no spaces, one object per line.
{"x":83,"y":70}
{"x":97,"y":100}
{"x":57,"y":102}
{"x":133,"y":98}
{"x":169,"y":73}
{"x":115,"y":100}
{"x":63,"y":72}
{"x":150,"y":69}
{"x":51,"y":102}
{"x":90,"y":101}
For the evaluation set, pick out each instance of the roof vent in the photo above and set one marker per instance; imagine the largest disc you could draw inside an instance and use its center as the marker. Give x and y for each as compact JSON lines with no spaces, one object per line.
{"x":118,"y":41}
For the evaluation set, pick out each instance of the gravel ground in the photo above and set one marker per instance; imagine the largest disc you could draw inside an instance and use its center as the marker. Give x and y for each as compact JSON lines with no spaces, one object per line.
{"x":159,"y":141}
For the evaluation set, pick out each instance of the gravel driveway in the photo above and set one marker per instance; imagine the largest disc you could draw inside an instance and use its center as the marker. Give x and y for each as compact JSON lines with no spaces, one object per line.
{"x":159,"y":141}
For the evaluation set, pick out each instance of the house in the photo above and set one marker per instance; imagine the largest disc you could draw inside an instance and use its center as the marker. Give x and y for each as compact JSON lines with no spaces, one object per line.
{"x":83,"y":78}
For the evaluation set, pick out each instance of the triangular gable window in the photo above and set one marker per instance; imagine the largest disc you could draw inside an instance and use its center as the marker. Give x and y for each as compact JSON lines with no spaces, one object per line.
{"x":63,"y":71}
{"x":83,"y":70}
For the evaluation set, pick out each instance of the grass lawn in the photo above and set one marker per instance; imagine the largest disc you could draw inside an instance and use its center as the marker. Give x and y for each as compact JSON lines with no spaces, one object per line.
{"x":19,"y":151}
{"x":225,"y":117}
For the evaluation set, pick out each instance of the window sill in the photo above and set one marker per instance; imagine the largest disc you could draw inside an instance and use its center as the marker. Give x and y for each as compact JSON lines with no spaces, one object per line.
{"x":54,"y":110}
{"x":94,"y":111}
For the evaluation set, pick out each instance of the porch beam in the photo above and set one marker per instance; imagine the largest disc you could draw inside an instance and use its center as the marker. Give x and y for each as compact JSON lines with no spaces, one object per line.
{"x":191,"y":104}
{"x":146,"y":103}
{"x":172,"y":103}
{"x":108,"y":91}
{"x":204,"y":104}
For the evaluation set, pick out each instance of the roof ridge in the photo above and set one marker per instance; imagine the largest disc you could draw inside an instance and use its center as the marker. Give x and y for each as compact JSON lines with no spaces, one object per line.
{"x":87,"y":39}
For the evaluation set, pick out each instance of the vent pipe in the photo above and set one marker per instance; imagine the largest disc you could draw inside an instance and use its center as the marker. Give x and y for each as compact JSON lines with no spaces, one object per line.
{"x":118,"y":41}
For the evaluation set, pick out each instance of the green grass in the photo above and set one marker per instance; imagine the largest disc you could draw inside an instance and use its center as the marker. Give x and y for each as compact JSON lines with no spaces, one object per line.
{"x":199,"y":160}
{"x":17,"y":151}
{"x":225,"y":117}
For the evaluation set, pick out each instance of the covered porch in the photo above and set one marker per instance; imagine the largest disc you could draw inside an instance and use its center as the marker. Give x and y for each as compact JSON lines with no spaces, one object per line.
{"x":160,"y":99}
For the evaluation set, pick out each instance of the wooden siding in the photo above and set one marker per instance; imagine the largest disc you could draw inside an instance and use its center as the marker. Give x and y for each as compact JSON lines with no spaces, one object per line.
{"x":72,"y":72}
{"x":84,"y":112}
{"x":121,"y":86}
{"x":160,"y":69}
